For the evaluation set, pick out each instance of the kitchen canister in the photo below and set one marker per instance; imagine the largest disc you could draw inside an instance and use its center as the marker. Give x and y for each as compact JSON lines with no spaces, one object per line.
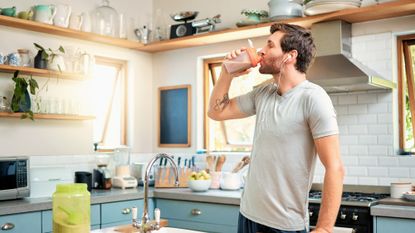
{"x":71,"y":209}
{"x":398,"y":188}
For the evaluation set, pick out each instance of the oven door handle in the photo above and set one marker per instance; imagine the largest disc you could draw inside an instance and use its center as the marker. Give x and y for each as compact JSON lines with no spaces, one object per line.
{"x":339,"y":229}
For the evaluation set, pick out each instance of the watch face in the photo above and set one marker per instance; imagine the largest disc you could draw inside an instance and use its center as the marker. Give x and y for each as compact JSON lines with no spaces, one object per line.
{"x":181,"y":30}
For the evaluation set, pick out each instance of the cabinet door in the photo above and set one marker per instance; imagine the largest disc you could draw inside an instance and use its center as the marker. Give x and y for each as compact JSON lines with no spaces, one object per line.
{"x":95,"y":218}
{"x":119,"y":213}
{"x":19,"y":223}
{"x":388,"y":225}
{"x":199,"y":216}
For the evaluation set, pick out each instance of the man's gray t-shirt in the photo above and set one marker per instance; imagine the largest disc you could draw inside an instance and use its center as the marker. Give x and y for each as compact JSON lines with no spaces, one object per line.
{"x":283,"y":153}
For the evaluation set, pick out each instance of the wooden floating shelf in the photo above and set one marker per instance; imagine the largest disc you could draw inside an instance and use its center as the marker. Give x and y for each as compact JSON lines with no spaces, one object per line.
{"x":66,"y":32}
{"x":374,"y":12}
{"x":48,"y":116}
{"x":42,"y":72}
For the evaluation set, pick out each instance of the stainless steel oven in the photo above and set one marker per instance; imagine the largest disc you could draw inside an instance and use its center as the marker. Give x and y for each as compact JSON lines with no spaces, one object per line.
{"x":14,"y":177}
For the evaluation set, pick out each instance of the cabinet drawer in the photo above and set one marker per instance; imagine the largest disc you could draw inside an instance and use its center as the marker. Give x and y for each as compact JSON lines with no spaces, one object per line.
{"x":47,"y":218}
{"x":119,"y":212}
{"x":199,"y":212}
{"x":27,"y":222}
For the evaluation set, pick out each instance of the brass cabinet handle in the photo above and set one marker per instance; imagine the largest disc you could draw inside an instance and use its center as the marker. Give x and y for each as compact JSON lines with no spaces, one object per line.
{"x":196,"y":212}
{"x":126,"y":211}
{"x":7,"y":226}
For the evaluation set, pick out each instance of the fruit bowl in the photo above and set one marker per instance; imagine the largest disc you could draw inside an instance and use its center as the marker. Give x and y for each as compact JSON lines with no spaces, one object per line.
{"x":410,"y":196}
{"x":199,"y":185}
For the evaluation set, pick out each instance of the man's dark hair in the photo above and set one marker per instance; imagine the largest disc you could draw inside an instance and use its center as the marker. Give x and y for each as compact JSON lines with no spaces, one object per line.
{"x":297,"y":38}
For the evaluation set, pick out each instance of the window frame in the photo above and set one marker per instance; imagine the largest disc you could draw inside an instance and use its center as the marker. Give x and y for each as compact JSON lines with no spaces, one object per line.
{"x":401,"y":40}
{"x":122,"y":67}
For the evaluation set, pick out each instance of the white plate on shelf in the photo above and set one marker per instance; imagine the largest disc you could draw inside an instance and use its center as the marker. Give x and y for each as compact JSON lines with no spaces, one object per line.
{"x":315,"y":8}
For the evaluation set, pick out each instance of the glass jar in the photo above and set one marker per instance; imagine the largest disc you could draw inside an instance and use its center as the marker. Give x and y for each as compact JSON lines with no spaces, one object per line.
{"x":25,"y":59}
{"x":105,"y":20}
{"x":71,"y":209}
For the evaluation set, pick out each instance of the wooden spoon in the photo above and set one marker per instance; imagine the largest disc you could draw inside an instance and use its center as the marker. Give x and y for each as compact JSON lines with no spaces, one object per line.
{"x":219,"y":163}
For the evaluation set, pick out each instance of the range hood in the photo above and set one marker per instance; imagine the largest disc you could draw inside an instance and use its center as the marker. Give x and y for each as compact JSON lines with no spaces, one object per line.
{"x":334,"y":69}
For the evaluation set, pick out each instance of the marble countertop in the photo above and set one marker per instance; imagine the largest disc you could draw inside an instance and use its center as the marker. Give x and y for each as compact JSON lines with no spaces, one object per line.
{"x":114,"y":195}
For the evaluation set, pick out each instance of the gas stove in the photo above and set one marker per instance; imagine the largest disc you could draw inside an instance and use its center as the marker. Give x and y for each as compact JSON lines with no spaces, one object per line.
{"x":354,"y":212}
{"x":351,"y":198}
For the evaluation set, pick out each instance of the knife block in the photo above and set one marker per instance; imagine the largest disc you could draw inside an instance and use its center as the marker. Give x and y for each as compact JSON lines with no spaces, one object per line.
{"x":165,"y":178}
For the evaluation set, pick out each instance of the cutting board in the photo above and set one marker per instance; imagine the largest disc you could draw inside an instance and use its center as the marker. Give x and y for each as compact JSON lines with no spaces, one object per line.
{"x":130,"y":229}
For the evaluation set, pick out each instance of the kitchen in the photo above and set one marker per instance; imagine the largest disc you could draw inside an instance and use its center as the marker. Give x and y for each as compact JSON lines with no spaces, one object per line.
{"x":368,"y":120}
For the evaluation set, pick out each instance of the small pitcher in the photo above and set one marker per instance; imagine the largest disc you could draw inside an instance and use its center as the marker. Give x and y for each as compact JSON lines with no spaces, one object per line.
{"x":44,"y":13}
{"x":143,"y":34}
{"x":61,"y":18}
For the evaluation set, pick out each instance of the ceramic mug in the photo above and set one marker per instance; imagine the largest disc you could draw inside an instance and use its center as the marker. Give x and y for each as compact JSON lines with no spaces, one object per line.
{"x":13,"y":59}
{"x":9,"y":11}
{"x":3,"y":59}
{"x":25,"y":15}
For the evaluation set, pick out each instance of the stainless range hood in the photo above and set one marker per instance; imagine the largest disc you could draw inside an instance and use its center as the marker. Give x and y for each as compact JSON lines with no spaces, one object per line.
{"x":334,"y":69}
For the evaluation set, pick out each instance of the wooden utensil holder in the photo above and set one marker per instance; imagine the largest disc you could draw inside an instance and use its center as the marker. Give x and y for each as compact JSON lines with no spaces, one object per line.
{"x":165,"y":177}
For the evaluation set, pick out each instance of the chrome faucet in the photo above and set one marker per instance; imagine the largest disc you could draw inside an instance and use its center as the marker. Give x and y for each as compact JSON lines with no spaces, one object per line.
{"x":146,"y":225}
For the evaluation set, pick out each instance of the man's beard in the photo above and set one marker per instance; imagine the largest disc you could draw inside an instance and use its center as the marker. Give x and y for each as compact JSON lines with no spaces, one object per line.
{"x":274,"y":67}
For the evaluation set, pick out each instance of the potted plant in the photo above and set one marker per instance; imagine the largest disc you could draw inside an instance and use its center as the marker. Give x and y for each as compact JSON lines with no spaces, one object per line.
{"x":254,"y":15}
{"x":49,"y":59}
{"x":21,"y":98}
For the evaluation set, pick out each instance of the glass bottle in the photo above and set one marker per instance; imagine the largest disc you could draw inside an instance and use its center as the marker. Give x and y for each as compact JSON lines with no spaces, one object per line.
{"x":105,"y":20}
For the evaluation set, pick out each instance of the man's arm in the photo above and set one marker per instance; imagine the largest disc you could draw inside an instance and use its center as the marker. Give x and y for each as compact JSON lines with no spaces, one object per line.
{"x":220,"y":106}
{"x":328,"y":150}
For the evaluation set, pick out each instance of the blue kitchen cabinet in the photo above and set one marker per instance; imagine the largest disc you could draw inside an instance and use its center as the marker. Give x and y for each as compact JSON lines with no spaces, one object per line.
{"x":19,"y":223}
{"x":95,"y":219}
{"x":119,"y":213}
{"x":388,"y":225}
{"x":199,"y":216}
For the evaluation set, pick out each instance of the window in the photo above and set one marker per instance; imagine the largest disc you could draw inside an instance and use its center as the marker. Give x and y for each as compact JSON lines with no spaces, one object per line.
{"x":406,"y":92}
{"x":109,"y":99}
{"x":230,"y":135}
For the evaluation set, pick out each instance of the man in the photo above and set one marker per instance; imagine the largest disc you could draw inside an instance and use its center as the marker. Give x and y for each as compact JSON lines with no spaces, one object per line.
{"x":295,"y":121}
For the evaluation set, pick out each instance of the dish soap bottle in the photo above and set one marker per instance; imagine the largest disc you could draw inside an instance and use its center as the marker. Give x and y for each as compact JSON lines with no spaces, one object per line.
{"x":247,"y":59}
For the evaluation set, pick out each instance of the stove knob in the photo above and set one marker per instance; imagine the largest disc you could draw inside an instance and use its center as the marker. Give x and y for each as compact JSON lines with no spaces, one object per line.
{"x":355,"y":217}
{"x":342,"y":216}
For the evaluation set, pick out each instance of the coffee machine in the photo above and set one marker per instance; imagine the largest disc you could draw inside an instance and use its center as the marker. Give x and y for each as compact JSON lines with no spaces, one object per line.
{"x":102,"y":174}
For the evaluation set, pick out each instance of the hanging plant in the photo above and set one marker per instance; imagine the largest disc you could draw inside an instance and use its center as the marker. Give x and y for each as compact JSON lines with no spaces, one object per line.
{"x":21,"y":98}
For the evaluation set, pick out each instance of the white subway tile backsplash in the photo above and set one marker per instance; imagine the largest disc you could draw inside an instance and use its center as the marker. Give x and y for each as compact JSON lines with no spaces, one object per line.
{"x":333,"y":99}
{"x":358,"y":109}
{"x":350,"y":180}
{"x":341,"y":109}
{"x":367,"y":161}
{"x":344,"y":149}
{"x":368,"y":119}
{"x":412,"y":172}
{"x":380,"y":150}
{"x":399,"y":172}
{"x":386,"y":181}
{"x":385,"y":97}
{"x":385,"y":139}
{"x":357,"y":171}
{"x":377,"y":129}
{"x":350,"y":161}
{"x":357,"y":129}
{"x":343,"y":129}
{"x":388,"y":161}
{"x":347,"y":99}
{"x":370,"y":98}
{"x":406,"y":161}
{"x":346,"y":120}
{"x":384,"y":118}
{"x":378,"y":108}
{"x":368,"y":139}
{"x":348,"y":140}
{"x":378,"y":171}
{"x":368,"y":181}
{"x":358,"y":149}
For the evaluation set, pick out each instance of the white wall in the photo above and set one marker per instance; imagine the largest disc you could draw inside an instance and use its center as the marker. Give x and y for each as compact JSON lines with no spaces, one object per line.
{"x":55,"y":137}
